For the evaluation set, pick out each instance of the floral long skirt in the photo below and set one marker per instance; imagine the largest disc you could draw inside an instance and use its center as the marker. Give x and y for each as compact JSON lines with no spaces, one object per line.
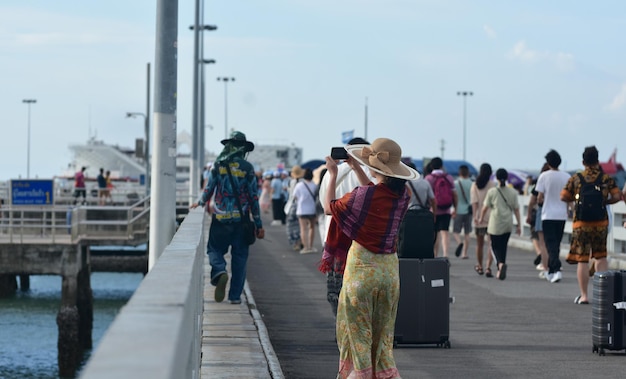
{"x":366,"y":315}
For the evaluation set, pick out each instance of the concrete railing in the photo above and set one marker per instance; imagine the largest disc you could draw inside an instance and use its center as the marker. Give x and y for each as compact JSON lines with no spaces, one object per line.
{"x":158,"y":333}
{"x":616,"y":240}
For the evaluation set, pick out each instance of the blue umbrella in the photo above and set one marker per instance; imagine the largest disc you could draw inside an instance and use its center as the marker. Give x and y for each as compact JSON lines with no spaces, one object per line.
{"x":312,"y":164}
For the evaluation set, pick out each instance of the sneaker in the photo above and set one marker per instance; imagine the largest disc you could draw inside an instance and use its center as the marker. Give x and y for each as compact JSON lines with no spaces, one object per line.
{"x":539,"y":267}
{"x":546,"y":275}
{"x":220,"y":287}
{"x":556,"y":277}
{"x":275,"y":223}
{"x":238,"y":301}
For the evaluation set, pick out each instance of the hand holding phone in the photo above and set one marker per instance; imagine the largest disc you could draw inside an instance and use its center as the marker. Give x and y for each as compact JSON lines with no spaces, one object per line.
{"x":338,"y":153}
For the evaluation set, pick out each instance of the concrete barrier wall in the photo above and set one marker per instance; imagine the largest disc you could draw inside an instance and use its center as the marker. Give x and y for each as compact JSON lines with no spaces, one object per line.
{"x":616,"y":240}
{"x":158,"y":332}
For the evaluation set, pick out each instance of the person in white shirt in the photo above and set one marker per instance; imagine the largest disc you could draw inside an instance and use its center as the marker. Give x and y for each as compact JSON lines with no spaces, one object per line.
{"x":346,"y":182}
{"x":553,"y":213}
{"x":304,"y":195}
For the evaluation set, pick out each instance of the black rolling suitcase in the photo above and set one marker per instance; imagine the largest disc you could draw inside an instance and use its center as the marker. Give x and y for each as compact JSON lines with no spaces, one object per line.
{"x":416,"y":237}
{"x":424,"y":307}
{"x":608,"y":311}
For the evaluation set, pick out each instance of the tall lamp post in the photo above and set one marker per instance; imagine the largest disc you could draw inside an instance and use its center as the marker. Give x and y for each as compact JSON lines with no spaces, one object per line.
{"x":197,"y":128}
{"x":28,"y":102}
{"x":146,"y":150}
{"x":201,"y":144}
{"x":226,"y":79}
{"x":146,"y":119}
{"x":465,"y":94}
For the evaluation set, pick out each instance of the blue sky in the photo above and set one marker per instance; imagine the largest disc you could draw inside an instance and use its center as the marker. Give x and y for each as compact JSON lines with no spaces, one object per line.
{"x":544,"y":75}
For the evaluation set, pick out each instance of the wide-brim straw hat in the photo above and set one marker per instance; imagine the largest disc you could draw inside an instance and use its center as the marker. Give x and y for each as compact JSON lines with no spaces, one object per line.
{"x":317,"y":174}
{"x":383,"y":156}
{"x":297,"y":172}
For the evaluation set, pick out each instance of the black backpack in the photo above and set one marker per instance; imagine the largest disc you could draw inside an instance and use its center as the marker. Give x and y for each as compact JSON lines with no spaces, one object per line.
{"x":590,"y":201}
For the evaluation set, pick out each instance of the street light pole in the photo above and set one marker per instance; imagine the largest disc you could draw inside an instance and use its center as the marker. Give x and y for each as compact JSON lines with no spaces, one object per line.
{"x":201,"y":144}
{"x":465,"y":94}
{"x":147,"y":130}
{"x":197,"y":133}
{"x":145,"y":147}
{"x":226,"y":80}
{"x":28,"y":102}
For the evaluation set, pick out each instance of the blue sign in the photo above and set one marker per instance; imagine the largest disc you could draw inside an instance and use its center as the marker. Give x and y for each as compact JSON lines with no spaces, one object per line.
{"x":31,"y":192}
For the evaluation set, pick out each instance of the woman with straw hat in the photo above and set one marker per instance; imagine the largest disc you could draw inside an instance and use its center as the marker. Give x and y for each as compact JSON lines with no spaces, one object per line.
{"x":369,"y":217}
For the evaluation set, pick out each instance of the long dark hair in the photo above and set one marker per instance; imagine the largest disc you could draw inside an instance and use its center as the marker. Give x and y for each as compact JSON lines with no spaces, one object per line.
{"x":397,"y":185}
{"x":484,"y":175}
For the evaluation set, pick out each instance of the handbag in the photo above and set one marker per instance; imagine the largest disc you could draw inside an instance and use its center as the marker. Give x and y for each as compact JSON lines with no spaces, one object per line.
{"x":533,"y":217}
{"x":247,"y":226}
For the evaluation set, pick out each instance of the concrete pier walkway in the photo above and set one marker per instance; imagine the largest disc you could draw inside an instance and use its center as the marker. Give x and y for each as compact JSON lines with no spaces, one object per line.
{"x":235,"y":342}
{"x":522,"y":327}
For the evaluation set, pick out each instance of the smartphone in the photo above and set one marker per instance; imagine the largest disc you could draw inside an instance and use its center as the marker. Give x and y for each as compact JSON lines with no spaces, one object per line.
{"x":337,"y":153}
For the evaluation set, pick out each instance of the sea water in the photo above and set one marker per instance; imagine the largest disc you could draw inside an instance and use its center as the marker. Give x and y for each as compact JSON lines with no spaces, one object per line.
{"x":28,"y":329}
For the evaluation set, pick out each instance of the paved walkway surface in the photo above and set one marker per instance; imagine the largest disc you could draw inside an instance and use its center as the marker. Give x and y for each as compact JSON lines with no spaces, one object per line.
{"x":522,"y":327}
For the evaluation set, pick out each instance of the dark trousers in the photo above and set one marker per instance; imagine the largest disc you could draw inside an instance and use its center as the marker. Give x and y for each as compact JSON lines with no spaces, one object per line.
{"x":552,"y":235}
{"x":278,"y":209}
{"x":221,"y":238}
{"x":499,"y":244}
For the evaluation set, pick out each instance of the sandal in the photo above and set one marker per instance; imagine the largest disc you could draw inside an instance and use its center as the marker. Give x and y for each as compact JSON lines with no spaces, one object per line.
{"x":488,"y":272}
{"x":502,"y":272}
{"x":578,"y":301}
{"x":478,"y":269}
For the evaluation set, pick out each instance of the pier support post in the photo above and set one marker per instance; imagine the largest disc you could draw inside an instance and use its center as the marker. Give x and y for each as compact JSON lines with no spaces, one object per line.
{"x":8,"y":285}
{"x":24,"y":282}
{"x":75,"y":317}
{"x":85,"y":302}
{"x":69,"y":350}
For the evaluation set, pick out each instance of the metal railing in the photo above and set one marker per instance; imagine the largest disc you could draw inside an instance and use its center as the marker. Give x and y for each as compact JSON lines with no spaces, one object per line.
{"x":126,"y":225}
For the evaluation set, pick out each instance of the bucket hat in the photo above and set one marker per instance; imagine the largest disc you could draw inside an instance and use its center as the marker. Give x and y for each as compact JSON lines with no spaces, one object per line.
{"x":239,"y":139}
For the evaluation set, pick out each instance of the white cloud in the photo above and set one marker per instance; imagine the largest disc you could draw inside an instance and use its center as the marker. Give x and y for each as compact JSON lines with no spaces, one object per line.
{"x":619,"y":101}
{"x":489,"y":32}
{"x":561,"y":61}
{"x":522,"y":52}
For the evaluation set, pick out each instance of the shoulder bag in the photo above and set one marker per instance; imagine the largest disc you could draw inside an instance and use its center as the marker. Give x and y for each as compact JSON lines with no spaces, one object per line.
{"x":469,"y":208}
{"x":504,"y":198}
